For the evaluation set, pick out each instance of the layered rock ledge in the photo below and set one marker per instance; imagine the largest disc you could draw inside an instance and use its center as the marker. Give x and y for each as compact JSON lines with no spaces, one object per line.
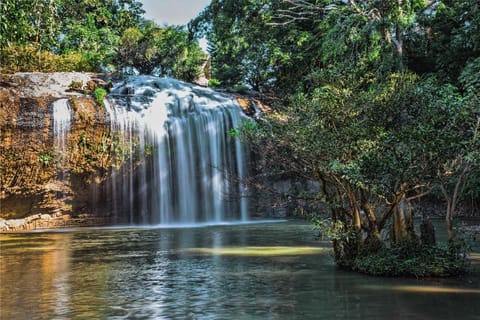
{"x":33,"y":193}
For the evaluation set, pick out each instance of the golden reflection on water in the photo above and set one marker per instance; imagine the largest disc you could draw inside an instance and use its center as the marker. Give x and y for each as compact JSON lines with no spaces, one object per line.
{"x":260,"y":251}
{"x":40,"y":264}
{"x":424,"y":289}
{"x":474,"y":258}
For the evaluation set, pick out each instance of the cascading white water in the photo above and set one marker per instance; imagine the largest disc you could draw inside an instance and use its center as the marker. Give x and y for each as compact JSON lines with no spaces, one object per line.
{"x":182,"y":167}
{"x":62,"y":117}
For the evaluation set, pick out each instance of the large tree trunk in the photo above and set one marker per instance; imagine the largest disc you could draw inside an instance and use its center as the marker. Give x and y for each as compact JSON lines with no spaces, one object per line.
{"x":402,"y":221}
{"x":346,"y":248}
{"x":453,"y":198}
{"x":373,"y":242}
{"x":449,"y":218}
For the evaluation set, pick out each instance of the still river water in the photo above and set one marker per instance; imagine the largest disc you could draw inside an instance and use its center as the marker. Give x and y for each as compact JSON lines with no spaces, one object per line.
{"x":250,"y":271}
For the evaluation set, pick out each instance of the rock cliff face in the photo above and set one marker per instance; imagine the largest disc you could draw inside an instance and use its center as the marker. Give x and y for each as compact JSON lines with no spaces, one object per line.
{"x":33,"y":189}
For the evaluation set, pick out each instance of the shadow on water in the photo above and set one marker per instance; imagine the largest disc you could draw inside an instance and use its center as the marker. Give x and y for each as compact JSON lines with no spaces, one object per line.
{"x":246,"y":271}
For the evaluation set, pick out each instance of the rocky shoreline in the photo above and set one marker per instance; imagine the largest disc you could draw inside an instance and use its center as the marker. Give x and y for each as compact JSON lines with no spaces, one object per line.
{"x":50,"y":221}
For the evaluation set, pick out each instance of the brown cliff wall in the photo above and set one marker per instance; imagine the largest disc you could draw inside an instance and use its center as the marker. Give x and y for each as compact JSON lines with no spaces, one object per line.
{"x":36,"y":179}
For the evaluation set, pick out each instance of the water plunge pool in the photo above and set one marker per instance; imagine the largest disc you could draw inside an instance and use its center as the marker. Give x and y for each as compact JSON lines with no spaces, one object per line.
{"x":246,"y":271}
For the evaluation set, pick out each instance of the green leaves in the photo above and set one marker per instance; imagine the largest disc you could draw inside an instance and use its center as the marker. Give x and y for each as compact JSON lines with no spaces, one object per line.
{"x":166,"y":51}
{"x":102,"y":33}
{"x":100,"y":94}
{"x":28,"y":22}
{"x":374,"y":108}
{"x":246,"y":48}
{"x":88,"y":28}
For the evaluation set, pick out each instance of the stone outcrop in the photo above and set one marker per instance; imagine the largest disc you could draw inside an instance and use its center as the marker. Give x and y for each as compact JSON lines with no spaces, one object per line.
{"x":51,"y":221}
{"x":33,"y":190}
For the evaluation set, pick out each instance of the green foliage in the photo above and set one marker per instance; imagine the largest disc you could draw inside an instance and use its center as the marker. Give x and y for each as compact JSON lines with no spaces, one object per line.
{"x":92,"y":35}
{"x":413,"y":259}
{"x":166,"y":51}
{"x":362,"y":112}
{"x":46,"y":157}
{"x":244,"y":47}
{"x":470,"y":81}
{"x":100,"y":94}
{"x":28,"y":22}
{"x":94,"y":27}
{"x":247,"y":128}
{"x":450,"y":40}
{"x":213,"y":82}
{"x":240,"y":88}
{"x":368,"y":146}
{"x":29,"y":59}
{"x":334,"y":230}
{"x":283,"y":44}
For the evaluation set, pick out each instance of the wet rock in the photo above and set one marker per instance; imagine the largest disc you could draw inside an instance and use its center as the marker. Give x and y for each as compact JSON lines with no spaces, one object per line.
{"x":3,"y":225}
{"x":55,"y":84}
{"x":39,"y":183}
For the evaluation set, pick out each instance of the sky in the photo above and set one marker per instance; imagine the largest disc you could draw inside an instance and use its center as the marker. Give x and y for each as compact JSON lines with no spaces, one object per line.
{"x":173,"y":11}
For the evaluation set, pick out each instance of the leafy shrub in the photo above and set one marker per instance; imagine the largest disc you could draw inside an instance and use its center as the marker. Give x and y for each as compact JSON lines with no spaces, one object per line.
{"x":99,"y":95}
{"x":213,"y":82}
{"x":30,"y":59}
{"x":76,"y":85}
{"x":45,"y":158}
{"x":411,"y":258}
{"x":246,"y":128}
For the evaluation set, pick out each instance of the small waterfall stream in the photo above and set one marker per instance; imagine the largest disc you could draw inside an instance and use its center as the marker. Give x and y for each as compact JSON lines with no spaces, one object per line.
{"x":181,"y":166}
{"x":62,"y":117}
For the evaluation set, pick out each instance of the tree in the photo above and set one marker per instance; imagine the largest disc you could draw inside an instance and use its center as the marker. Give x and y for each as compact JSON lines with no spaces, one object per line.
{"x":28,"y":23}
{"x":127,"y":50}
{"x":449,"y":38}
{"x":374,"y":135}
{"x":361,"y":36}
{"x":88,"y":31}
{"x":246,"y":49}
{"x":466,"y":155}
{"x":94,"y":27}
{"x":372,"y":151}
{"x":167,"y":51}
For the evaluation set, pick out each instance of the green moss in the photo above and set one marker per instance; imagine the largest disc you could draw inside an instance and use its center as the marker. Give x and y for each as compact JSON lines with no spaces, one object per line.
{"x":45,"y":158}
{"x":99,"y":95}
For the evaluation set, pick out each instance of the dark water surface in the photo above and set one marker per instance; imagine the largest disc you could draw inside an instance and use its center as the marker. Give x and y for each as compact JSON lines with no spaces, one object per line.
{"x":250,"y":271}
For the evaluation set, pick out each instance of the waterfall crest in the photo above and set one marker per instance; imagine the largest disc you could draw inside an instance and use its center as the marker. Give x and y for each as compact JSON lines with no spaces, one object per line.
{"x":181,"y":166}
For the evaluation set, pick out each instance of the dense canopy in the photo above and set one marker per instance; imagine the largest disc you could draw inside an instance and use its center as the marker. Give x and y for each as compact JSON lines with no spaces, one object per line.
{"x":378,"y":103}
{"x":66,"y":35}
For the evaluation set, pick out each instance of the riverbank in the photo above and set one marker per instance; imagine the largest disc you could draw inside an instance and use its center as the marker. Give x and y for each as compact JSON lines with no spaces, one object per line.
{"x":41,"y":222}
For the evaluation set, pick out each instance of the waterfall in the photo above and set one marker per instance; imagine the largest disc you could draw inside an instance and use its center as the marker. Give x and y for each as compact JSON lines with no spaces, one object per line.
{"x":62,"y":115}
{"x":180,"y":166}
